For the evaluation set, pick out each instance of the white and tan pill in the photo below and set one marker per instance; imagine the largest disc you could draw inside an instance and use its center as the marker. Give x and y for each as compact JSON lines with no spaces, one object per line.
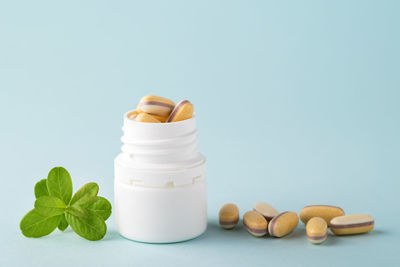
{"x":156,"y":105}
{"x":229,"y":216}
{"x":144,"y":117}
{"x":317,"y":230}
{"x":283,"y":224}
{"x":255,"y":223}
{"x":352,"y":224}
{"x":182,"y":111}
{"x":265,"y":210}
{"x":326,"y":212}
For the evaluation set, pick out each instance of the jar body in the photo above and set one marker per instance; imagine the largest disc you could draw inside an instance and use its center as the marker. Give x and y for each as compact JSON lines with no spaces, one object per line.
{"x":160,"y":186}
{"x":160,"y":215}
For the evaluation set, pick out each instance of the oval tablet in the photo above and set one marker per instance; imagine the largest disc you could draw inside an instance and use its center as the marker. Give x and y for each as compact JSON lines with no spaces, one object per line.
{"x":283,"y":224}
{"x":317,"y":230}
{"x":265,"y":210}
{"x":228,"y":216}
{"x":144,"y":117}
{"x":255,"y":223}
{"x":182,"y":111}
{"x":326,"y":212}
{"x":156,"y":105}
{"x":352,"y":224}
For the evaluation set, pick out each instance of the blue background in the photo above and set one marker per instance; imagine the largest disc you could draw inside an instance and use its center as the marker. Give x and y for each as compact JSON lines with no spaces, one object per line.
{"x":297,"y":103}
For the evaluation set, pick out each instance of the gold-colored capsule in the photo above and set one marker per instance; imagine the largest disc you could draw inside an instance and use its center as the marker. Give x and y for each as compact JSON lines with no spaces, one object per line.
{"x":133,"y":114}
{"x":144,"y":117}
{"x":182,"y":111}
{"x":229,"y":216}
{"x":326,"y":212}
{"x":255,"y":223}
{"x":317,"y":230}
{"x":283,"y":224}
{"x":352,"y":224}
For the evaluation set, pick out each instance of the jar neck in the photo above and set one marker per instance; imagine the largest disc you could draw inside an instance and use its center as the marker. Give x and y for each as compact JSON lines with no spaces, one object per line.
{"x":160,"y":143}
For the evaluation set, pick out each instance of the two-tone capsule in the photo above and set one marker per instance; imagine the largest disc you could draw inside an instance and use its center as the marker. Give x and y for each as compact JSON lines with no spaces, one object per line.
{"x":326,"y":212}
{"x":255,"y":223}
{"x":182,"y":111}
{"x":229,"y":216}
{"x":162,"y":109}
{"x":352,"y":224}
{"x":265,"y":210}
{"x":283,"y":224}
{"x":156,"y":105}
{"x":317,"y":230}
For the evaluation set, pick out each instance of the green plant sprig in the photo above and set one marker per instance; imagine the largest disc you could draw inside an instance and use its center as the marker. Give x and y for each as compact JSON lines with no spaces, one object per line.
{"x":55,"y":206}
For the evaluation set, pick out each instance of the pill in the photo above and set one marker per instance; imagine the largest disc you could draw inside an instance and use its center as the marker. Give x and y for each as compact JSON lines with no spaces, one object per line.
{"x":156,"y":105}
{"x":161,"y":119}
{"x":182,"y":111}
{"x":228,"y":216}
{"x":283,"y":223}
{"x":144,"y":117}
{"x":132,"y":115}
{"x":326,"y":212}
{"x":352,"y":224}
{"x":255,"y":223}
{"x":317,"y":230}
{"x":265,"y":210}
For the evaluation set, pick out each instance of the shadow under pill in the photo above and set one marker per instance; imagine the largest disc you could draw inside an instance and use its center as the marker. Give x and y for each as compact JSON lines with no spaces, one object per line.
{"x":296,"y":234}
{"x":376,"y":232}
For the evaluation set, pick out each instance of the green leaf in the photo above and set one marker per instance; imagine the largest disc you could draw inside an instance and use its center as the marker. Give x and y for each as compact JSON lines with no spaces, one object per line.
{"x":77,"y":211}
{"x":41,"y":188}
{"x":34,"y":224}
{"x":85,"y":213}
{"x":49,"y":206}
{"x":91,"y":228}
{"x":63,"y":223}
{"x":102,"y":207}
{"x":59,"y":184}
{"x":85,"y":194}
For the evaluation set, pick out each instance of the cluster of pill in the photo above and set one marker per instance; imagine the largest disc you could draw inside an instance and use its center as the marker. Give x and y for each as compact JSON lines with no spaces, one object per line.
{"x":156,"y":109}
{"x":265,"y":219}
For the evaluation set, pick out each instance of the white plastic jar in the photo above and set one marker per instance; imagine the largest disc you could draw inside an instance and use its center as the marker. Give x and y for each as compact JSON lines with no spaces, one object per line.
{"x":160,"y":186}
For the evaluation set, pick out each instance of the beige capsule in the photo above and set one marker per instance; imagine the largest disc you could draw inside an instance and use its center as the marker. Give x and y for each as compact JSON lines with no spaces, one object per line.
{"x":265,"y":210}
{"x":229,"y":216}
{"x":317,"y":230}
{"x":352,"y":224}
{"x":255,"y":223}
{"x":144,"y":117}
{"x":326,"y":212}
{"x":182,"y":111}
{"x":156,"y":105}
{"x":283,"y":224}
